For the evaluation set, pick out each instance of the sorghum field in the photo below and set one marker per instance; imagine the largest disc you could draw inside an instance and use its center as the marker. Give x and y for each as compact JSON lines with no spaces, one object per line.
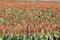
{"x":41,"y":18}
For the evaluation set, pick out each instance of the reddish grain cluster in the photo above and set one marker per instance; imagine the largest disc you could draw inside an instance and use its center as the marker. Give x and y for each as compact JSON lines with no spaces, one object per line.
{"x":17,"y":22}
{"x":34,"y":5}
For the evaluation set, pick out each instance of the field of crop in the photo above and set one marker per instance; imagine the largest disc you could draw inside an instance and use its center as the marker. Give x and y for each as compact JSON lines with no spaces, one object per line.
{"x":41,"y":18}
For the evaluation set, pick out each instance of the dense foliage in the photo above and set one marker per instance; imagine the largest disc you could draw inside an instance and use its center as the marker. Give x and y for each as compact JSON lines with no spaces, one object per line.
{"x":41,"y":18}
{"x":32,"y":36}
{"x":44,"y":24}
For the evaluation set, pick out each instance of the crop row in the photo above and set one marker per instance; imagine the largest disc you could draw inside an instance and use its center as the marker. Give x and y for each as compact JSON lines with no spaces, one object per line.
{"x":16,"y":20}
